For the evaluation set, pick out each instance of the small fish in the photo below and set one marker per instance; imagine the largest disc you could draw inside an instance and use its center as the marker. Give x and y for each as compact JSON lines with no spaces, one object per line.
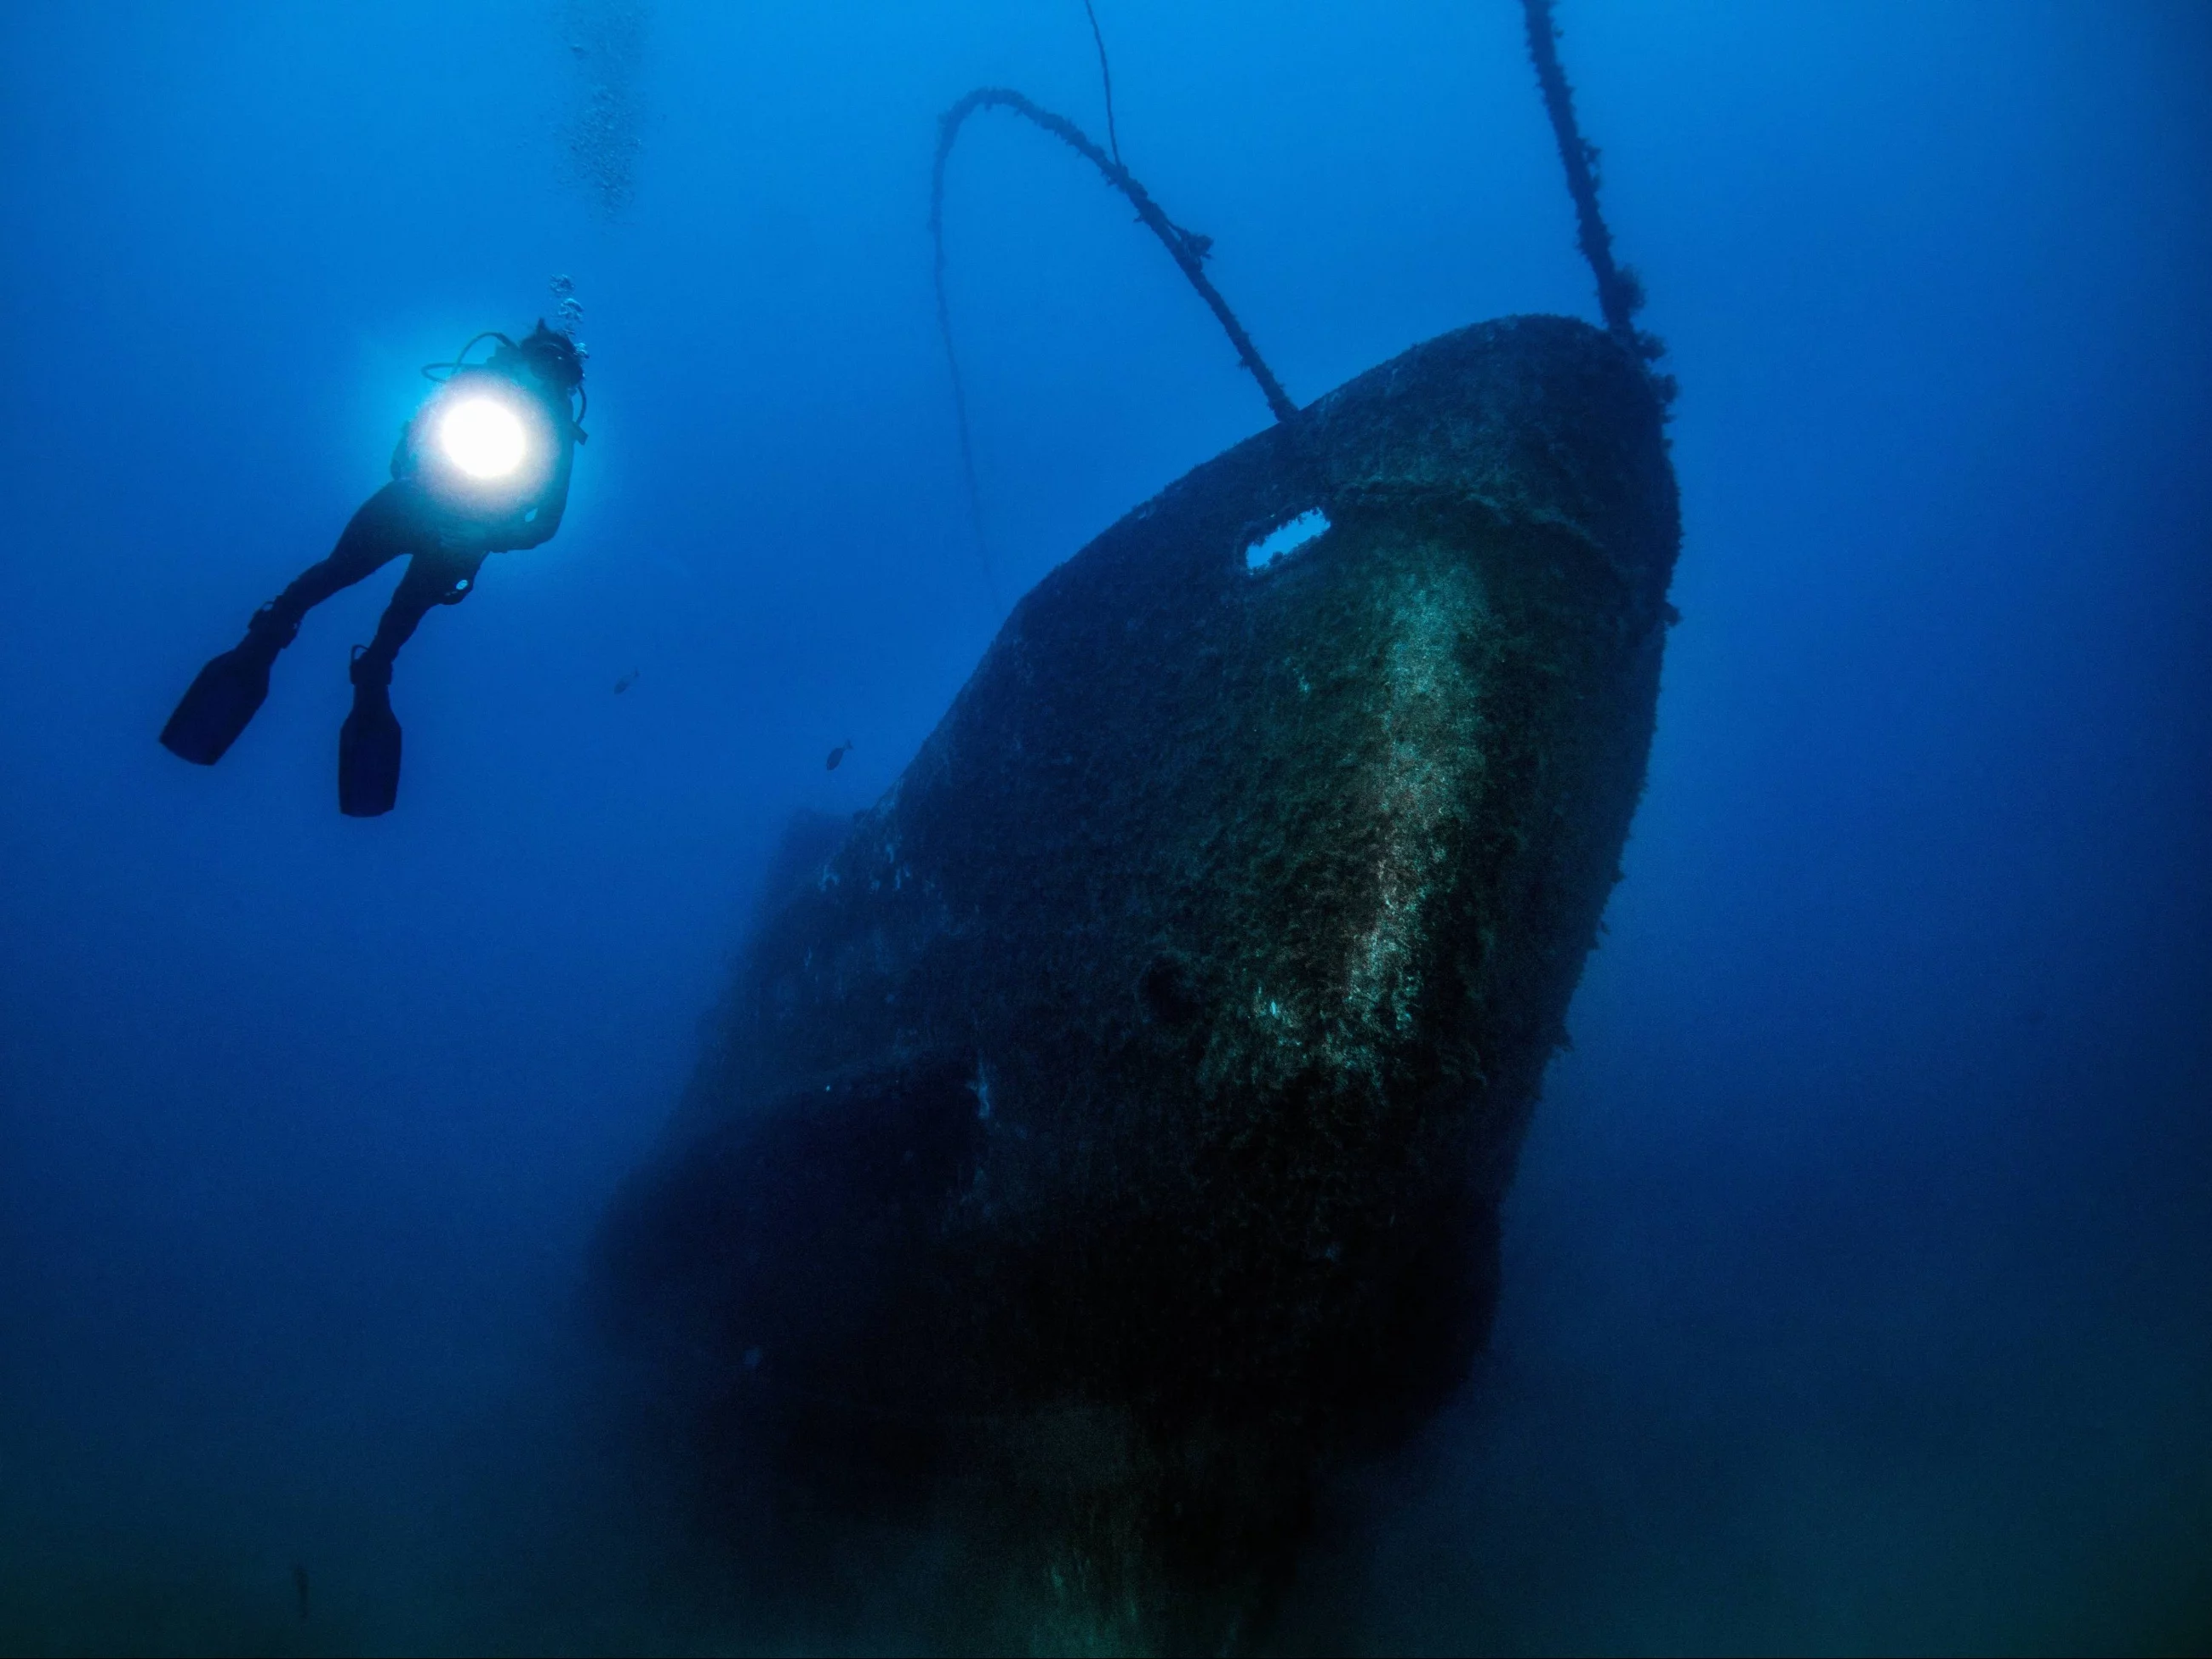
{"x":626,"y":682}
{"x":838,"y":755}
{"x":299,"y":1583}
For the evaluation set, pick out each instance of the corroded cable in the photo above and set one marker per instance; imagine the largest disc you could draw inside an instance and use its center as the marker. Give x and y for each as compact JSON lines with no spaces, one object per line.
{"x":1106,"y":75}
{"x":1187,"y":248}
{"x":1619,"y":295}
{"x":959,"y":386}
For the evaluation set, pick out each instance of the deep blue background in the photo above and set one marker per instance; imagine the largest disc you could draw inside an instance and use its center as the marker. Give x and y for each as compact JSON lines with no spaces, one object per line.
{"x":1859,"y":1279}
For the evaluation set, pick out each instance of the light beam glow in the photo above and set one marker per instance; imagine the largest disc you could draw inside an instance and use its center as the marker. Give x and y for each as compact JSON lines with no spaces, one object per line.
{"x":483,"y":437}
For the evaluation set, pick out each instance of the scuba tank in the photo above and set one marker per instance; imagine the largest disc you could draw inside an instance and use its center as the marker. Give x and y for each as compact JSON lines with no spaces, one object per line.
{"x":491,"y":440}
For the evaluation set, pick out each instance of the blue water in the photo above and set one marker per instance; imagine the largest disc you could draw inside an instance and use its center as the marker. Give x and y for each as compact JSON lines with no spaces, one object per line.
{"x":1858,"y":1280}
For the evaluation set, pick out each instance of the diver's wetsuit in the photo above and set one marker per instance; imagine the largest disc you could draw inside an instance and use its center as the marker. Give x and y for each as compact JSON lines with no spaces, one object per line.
{"x":397,"y":519}
{"x":445,"y":545}
{"x":445,"y":550}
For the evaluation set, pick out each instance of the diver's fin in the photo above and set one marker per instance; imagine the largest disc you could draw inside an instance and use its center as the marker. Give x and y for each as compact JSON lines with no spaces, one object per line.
{"x":368,"y":750}
{"x":229,"y":690}
{"x":224,"y":697}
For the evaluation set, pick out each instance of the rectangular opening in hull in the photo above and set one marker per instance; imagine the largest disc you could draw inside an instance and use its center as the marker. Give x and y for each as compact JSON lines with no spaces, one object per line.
{"x":1292,"y":537}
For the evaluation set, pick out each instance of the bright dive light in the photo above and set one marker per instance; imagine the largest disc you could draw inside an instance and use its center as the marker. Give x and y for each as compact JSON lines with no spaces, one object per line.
{"x":483,"y":437}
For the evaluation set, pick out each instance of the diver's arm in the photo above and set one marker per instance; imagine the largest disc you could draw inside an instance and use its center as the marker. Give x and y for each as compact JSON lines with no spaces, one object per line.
{"x":535,"y":532}
{"x":538,"y":530}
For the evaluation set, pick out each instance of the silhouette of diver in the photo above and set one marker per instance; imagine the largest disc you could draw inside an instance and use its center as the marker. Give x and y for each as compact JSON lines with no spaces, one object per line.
{"x":482,"y":467}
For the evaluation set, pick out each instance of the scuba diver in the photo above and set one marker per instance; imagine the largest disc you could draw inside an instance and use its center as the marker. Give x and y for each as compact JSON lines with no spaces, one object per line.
{"x":482,"y":467}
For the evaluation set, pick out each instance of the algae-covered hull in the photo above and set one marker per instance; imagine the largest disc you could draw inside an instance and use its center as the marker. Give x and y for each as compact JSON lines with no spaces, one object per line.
{"x":1107,"y":1128}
